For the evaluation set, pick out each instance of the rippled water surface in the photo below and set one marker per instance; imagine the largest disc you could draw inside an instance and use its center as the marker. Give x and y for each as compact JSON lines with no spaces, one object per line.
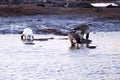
{"x":54,"y":60}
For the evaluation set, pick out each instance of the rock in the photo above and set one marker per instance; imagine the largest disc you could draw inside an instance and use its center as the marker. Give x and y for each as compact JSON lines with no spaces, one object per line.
{"x":92,"y":47}
{"x":41,"y":4}
{"x":4,"y":31}
{"x":111,"y":6}
{"x":39,"y":20}
{"x":80,"y":5}
{"x":53,"y":31}
{"x":41,"y":39}
{"x":49,"y":30}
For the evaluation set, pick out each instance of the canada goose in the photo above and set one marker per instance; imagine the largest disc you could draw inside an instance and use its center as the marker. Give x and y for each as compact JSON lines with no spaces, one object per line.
{"x":76,"y":39}
{"x":84,"y":30}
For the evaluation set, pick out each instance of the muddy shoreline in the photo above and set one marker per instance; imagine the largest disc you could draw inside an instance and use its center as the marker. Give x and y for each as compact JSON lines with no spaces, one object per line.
{"x":32,"y":9}
{"x":56,"y":20}
{"x":55,"y":24}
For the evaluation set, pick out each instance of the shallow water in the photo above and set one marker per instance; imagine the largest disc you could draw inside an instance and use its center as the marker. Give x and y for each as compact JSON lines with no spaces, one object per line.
{"x":54,"y":60}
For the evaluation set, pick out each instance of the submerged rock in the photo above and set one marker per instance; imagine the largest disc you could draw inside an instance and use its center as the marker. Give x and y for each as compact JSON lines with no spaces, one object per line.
{"x":80,"y":5}
{"x":53,"y":31}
